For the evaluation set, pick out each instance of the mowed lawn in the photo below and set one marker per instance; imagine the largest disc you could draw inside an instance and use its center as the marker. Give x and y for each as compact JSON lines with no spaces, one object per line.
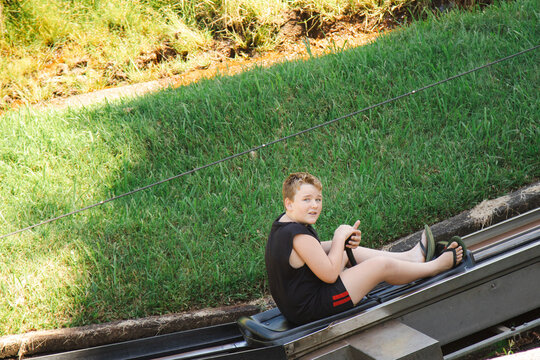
{"x":198,"y":240}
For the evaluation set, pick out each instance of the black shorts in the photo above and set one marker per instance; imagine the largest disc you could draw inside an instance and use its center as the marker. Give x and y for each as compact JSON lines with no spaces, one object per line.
{"x":331,"y":299}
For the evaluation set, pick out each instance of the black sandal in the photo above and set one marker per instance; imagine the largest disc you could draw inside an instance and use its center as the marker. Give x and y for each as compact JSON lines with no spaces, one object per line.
{"x":441,"y":246}
{"x":429,"y":249}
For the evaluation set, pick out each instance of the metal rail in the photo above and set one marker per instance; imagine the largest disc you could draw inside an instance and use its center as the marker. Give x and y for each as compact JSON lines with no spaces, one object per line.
{"x":501,"y":231}
{"x":482,"y":344}
{"x":502,"y":285}
{"x":185,"y":342}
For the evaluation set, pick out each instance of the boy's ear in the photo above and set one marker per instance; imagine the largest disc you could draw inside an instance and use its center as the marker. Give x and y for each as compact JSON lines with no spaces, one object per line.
{"x":288,"y":203}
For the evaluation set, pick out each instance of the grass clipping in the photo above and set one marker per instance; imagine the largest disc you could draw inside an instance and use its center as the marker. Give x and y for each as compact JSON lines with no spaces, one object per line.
{"x":483,"y":213}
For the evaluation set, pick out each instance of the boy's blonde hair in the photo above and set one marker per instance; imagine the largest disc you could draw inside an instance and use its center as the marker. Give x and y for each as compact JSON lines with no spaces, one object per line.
{"x":293,"y":182}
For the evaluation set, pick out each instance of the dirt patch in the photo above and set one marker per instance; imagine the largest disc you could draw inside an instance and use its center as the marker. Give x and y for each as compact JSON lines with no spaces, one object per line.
{"x":67,"y":79}
{"x":225,"y":59}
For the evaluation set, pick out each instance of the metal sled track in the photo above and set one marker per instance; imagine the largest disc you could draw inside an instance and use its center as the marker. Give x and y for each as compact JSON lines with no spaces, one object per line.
{"x":502,"y":285}
{"x":493,"y":291}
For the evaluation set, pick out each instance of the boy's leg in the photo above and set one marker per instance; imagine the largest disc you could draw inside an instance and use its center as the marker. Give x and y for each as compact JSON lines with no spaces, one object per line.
{"x":414,"y":255}
{"x":362,"y":278}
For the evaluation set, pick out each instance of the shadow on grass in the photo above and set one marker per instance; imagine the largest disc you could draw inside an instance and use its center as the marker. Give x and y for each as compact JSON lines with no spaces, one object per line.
{"x":199,"y":240}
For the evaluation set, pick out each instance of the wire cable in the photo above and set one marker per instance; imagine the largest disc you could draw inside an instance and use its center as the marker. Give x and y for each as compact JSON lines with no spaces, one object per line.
{"x":259,"y":147}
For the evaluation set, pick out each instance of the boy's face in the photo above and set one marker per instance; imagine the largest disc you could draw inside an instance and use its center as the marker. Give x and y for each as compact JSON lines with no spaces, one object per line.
{"x":306,"y":206}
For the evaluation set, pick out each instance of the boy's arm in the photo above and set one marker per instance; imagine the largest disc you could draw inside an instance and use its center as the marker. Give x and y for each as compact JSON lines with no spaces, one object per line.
{"x":326,"y":245}
{"x":326,"y":266}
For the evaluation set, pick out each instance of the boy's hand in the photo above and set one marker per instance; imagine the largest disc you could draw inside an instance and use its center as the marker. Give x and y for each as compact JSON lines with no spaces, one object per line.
{"x":345,"y":231}
{"x":354,"y":241}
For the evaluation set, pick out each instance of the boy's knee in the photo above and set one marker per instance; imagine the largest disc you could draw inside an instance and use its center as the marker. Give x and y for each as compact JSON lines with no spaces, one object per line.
{"x":382,"y":263}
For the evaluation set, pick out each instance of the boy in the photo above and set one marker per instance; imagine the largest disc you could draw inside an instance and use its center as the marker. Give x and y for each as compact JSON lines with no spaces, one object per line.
{"x":308,"y":278}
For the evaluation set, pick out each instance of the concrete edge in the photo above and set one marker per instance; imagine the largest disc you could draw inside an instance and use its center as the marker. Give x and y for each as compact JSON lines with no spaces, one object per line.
{"x":50,"y":341}
{"x":60,"y":340}
{"x":483,"y":215}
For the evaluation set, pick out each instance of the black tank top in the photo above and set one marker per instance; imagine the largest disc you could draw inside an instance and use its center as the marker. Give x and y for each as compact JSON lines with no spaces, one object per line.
{"x":293,"y":290}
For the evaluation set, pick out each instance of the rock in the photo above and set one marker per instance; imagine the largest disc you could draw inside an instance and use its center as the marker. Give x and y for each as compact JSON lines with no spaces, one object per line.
{"x":6,"y":100}
{"x":62,"y":69}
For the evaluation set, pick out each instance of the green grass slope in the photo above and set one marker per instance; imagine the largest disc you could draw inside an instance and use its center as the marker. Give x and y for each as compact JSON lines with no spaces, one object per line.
{"x":199,"y":240}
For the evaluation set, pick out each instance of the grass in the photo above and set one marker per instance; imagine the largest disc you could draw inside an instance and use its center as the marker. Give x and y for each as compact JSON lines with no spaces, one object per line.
{"x":59,"y":48}
{"x":199,"y":240}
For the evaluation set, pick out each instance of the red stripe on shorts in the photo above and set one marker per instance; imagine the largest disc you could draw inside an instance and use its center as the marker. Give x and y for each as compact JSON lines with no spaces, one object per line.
{"x":342,"y":301}
{"x":339,"y":296}
{"x":344,"y":296}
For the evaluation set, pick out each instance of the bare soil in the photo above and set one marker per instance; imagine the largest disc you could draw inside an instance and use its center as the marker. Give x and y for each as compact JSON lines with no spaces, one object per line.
{"x":225,"y":58}
{"x":347,"y":32}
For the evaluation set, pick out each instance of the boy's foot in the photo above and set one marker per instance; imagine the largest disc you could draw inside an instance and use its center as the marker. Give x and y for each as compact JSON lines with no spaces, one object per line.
{"x":425,"y":249}
{"x":441,"y":246}
{"x":451,"y":257}
{"x":418,"y":253}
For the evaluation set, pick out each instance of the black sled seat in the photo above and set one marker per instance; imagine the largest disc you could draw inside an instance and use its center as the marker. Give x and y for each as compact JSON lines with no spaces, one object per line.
{"x":271,"y":328}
